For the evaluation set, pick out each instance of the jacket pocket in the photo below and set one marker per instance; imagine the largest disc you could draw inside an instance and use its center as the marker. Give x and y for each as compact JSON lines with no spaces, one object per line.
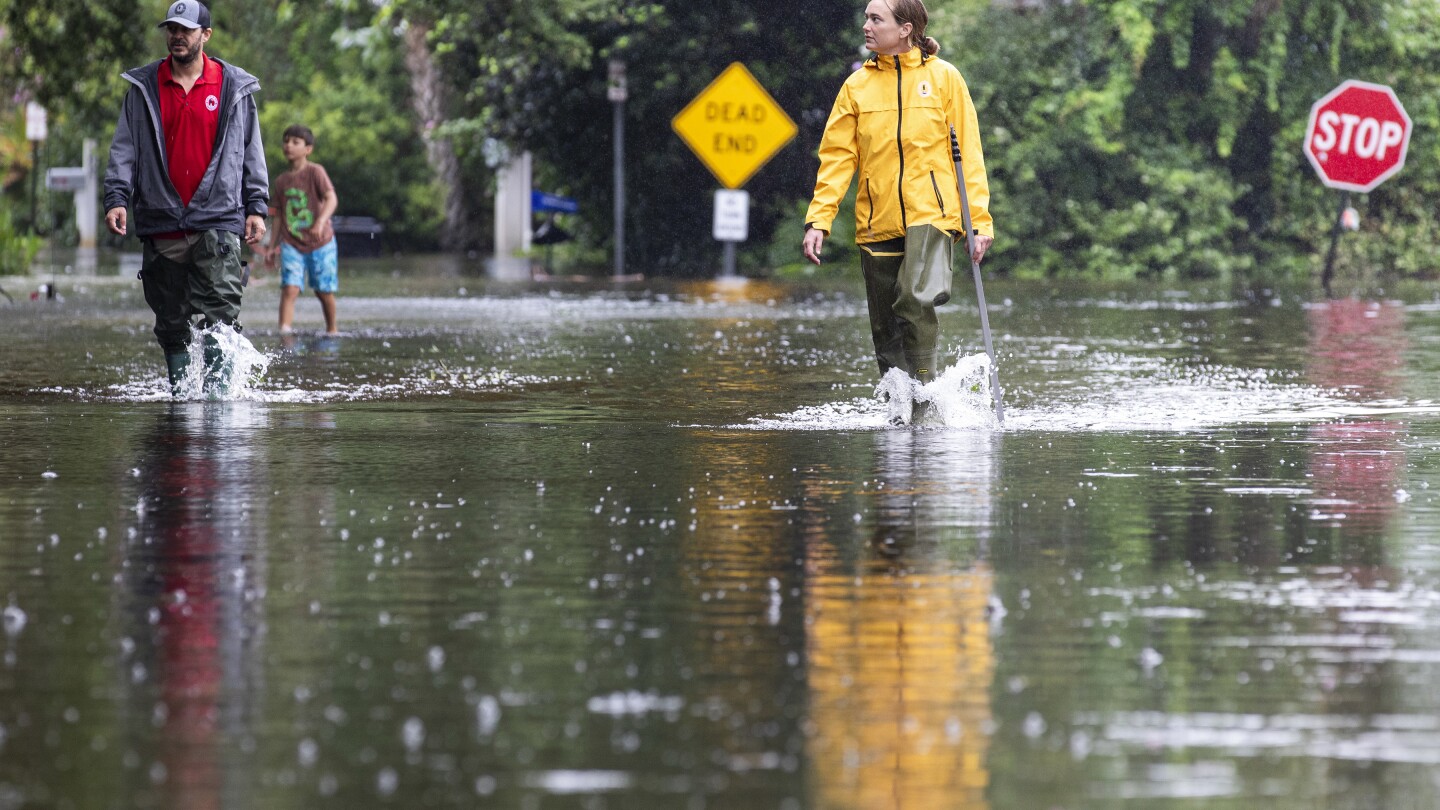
{"x":939,"y":198}
{"x":879,"y":215}
{"x":869,"y":207}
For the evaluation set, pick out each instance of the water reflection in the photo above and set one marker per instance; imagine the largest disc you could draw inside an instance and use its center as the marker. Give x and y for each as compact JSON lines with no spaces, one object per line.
{"x":899,"y":649}
{"x":1358,"y":347}
{"x":194,"y":631}
{"x":319,"y":345}
{"x":519,"y":572}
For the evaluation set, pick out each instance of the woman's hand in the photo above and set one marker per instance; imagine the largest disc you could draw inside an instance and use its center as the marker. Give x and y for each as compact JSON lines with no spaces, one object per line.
{"x":982,"y":243}
{"x":814,"y":240}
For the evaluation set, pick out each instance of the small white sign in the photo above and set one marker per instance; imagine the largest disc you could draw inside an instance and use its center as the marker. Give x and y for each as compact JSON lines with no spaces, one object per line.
{"x":732,"y":215}
{"x":35,"y":124}
{"x":616,"y":90}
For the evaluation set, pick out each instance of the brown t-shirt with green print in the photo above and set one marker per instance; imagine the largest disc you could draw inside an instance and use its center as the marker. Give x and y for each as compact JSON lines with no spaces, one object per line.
{"x":296,"y":195}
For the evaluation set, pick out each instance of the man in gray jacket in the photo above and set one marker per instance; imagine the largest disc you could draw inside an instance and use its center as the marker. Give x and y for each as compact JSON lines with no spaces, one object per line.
{"x":188,"y":164}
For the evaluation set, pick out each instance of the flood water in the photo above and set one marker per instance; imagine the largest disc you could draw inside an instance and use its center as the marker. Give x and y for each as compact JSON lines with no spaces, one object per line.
{"x":524,"y":545}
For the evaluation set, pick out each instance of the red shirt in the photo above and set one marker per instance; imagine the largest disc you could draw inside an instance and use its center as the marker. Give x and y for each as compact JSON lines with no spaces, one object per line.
{"x":189,"y":122}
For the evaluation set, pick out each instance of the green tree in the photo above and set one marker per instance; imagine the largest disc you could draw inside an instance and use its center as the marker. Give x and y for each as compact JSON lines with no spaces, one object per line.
{"x":533,"y":76}
{"x":1142,"y":137}
{"x":328,"y":66}
{"x":66,"y":54}
{"x":1123,"y":137}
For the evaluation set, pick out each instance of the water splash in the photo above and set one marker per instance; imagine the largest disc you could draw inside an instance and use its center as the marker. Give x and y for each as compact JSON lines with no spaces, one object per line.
{"x":244,"y":365}
{"x":959,"y":398}
{"x":260,"y":383}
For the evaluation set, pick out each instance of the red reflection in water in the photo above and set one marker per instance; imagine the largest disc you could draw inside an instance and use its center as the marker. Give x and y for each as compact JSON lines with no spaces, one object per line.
{"x":191,"y":673}
{"x":1357,"y":347}
{"x":191,"y":550}
{"x":1358,"y":469}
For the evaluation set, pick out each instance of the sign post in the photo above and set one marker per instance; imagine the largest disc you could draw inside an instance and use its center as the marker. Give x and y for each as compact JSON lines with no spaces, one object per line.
{"x":87,"y":199}
{"x":617,"y":91}
{"x":36,"y":130}
{"x":1356,"y":139}
{"x":734,"y":127}
{"x":732,"y":224}
{"x":83,"y":183}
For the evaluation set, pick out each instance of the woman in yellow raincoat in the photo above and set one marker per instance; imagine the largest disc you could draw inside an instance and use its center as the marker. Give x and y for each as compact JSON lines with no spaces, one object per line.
{"x":891,"y":123}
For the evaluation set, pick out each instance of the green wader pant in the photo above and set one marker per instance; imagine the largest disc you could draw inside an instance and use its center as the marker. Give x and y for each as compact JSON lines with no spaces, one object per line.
{"x":905,"y":280}
{"x":209,"y":285}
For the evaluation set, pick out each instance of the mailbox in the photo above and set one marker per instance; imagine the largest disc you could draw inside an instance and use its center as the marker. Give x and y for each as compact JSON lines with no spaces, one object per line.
{"x":65,"y":178}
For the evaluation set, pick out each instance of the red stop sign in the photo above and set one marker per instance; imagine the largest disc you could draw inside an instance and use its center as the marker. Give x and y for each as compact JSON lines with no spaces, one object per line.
{"x":1357,"y":136}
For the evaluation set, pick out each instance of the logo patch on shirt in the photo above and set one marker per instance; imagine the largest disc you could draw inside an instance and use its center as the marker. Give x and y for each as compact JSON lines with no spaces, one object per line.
{"x":212,"y":103}
{"x":924,"y":89}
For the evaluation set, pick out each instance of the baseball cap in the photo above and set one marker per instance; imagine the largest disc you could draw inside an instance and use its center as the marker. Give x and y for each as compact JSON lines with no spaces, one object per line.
{"x":189,"y":13}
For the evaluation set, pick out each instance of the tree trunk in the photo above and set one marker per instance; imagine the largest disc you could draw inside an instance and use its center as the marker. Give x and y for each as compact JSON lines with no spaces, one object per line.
{"x":428,"y":93}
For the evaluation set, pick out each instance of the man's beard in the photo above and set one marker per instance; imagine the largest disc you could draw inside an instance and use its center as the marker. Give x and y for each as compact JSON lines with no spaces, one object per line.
{"x":191,"y":54}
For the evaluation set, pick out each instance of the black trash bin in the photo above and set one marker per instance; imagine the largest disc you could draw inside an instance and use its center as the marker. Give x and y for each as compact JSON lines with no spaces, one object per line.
{"x":358,"y":237}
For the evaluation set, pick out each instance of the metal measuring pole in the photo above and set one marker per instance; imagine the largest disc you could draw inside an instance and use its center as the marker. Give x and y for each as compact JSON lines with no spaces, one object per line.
{"x":975,"y":269}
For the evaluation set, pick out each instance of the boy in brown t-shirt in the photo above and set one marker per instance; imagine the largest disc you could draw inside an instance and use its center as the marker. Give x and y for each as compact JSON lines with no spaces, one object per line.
{"x":305,"y":200}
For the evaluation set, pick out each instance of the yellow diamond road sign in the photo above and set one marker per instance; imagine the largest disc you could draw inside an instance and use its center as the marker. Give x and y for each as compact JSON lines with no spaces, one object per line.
{"x":734,"y":126}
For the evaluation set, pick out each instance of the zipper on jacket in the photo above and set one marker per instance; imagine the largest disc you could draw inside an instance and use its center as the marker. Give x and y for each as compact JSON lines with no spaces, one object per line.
{"x":936,"y":185}
{"x":899,"y":129}
{"x":150,"y":91}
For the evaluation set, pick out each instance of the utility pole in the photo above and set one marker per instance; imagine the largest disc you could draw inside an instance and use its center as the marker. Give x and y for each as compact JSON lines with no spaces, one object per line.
{"x":617,"y":93}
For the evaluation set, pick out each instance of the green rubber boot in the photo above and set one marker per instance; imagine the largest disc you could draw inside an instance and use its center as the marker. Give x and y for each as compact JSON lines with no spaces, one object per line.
{"x":217,"y":370}
{"x":176,"y":365}
{"x":922,"y":366}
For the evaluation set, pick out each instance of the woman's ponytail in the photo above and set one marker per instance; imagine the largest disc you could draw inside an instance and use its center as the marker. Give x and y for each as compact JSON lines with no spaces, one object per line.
{"x":914,"y":13}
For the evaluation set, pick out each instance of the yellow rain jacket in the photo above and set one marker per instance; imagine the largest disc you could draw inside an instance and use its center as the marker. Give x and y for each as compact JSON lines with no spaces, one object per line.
{"x":892,"y":121}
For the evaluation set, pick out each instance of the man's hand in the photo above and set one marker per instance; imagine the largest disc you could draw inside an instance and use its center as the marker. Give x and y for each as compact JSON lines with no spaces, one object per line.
{"x":254,"y":229}
{"x":982,"y":244}
{"x":814,"y":240}
{"x":312,"y":233}
{"x":115,"y":220}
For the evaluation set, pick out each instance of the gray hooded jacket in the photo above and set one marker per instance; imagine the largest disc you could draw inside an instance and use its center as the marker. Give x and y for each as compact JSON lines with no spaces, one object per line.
{"x":235,"y":183}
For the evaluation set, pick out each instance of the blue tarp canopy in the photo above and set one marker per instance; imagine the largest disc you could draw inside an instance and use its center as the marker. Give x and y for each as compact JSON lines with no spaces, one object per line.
{"x":545,"y":203}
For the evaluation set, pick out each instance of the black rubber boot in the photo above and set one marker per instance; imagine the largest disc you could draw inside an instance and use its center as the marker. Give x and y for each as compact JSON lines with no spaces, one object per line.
{"x":892,"y":355}
{"x":920,"y":412}
{"x":217,"y":369}
{"x":176,"y":365}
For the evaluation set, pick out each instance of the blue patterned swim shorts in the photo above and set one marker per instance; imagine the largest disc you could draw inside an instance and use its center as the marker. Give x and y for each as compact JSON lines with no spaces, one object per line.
{"x":319,"y":268}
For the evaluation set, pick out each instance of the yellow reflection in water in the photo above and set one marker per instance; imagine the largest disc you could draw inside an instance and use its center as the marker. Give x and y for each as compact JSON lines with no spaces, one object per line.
{"x":737,"y":290}
{"x":899,"y":673}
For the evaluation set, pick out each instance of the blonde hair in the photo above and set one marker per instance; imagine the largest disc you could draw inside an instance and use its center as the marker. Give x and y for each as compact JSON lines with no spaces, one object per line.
{"x":914,"y":13}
